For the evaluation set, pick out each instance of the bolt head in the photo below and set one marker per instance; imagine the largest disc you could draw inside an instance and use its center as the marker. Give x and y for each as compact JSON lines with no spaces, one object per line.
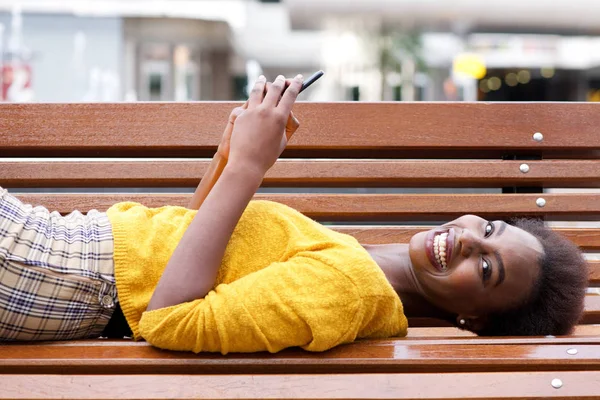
{"x":524,"y":168}
{"x":557,"y":383}
{"x":538,"y":137}
{"x":540,"y":202}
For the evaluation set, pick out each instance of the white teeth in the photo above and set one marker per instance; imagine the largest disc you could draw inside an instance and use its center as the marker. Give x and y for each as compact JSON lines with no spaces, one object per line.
{"x":439,"y":249}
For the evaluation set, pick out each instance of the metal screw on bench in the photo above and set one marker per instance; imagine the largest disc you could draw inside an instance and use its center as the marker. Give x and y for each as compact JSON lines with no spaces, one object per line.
{"x":572,"y":352}
{"x":556,"y":383}
{"x":538,"y":137}
{"x":524,"y":168}
{"x":540,"y":202}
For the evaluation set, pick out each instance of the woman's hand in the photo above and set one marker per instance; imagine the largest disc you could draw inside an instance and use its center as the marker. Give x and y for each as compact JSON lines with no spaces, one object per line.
{"x":291,"y":127}
{"x":225,"y":144}
{"x":258,"y":138}
{"x":219,"y":161}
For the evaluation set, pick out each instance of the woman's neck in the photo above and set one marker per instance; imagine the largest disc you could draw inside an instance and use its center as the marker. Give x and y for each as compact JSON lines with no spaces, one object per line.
{"x":394,"y":261}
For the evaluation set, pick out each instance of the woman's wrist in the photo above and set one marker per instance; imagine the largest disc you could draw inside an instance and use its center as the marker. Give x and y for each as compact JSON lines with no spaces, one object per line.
{"x":247,"y":170}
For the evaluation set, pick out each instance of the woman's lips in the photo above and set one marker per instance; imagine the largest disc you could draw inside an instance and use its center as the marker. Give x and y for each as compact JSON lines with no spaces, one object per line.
{"x":450,"y":246}
{"x":429,"y":238}
{"x":429,"y":248}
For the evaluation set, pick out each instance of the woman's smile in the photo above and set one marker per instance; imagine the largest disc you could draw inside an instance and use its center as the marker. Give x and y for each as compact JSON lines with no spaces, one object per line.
{"x":472,"y":266}
{"x":440,"y":247}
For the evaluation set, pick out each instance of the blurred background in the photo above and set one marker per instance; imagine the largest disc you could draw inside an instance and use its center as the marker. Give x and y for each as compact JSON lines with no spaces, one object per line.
{"x":371,"y":50}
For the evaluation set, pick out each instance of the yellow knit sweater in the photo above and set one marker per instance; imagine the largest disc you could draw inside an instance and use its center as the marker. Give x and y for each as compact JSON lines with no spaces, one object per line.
{"x":285,"y":281}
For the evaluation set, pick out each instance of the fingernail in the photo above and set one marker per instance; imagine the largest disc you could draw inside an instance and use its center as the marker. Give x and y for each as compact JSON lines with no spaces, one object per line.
{"x":262,"y":78}
{"x":299,"y":77}
{"x":281,"y":77}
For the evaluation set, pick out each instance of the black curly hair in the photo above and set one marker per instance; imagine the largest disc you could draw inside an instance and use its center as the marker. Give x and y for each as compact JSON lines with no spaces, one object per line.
{"x":556,"y":302}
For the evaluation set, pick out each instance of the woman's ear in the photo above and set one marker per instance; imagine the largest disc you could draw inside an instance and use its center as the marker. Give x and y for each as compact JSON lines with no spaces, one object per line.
{"x":471,"y":323}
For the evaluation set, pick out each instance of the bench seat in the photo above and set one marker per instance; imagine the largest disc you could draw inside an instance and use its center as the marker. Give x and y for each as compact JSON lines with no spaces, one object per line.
{"x":378,"y":171}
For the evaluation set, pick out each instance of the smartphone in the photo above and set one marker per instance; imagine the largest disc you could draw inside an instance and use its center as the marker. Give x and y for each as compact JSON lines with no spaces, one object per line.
{"x":311,"y":79}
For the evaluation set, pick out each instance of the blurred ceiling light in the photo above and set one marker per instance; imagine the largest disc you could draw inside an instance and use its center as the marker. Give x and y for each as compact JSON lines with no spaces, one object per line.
{"x":483,"y":86}
{"x":348,"y":46}
{"x":470,"y":65}
{"x":494,"y":83}
{"x":511,"y":79}
{"x":548,"y":72}
{"x":524,"y":76}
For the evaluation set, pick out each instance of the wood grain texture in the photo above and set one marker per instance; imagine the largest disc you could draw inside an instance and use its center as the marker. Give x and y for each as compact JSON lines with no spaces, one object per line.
{"x":384,"y":356}
{"x":594,"y":273}
{"x":591,"y":314}
{"x":581,"y":385}
{"x":452,"y":333}
{"x":365,"y":207}
{"x":377,"y":129}
{"x":313,"y":173}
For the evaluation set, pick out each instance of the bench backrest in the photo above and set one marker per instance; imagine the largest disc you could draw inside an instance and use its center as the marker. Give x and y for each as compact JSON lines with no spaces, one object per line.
{"x":379,"y":171}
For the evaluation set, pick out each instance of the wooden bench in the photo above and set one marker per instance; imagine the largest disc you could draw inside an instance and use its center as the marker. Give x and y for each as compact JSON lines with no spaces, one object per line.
{"x":387,"y":149}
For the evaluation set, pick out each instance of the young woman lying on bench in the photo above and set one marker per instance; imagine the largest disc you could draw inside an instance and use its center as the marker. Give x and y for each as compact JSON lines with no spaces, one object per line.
{"x":241,"y":276}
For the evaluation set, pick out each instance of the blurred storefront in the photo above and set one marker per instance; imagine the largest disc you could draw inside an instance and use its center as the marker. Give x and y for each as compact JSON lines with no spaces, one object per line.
{"x":178,"y":50}
{"x":531,"y":50}
{"x":371,"y":50}
{"x":173,"y":59}
{"x":60,"y":57}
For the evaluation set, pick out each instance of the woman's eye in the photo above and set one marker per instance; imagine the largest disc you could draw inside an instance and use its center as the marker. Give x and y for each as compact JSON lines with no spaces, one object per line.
{"x":487,"y":270}
{"x":489,"y":228}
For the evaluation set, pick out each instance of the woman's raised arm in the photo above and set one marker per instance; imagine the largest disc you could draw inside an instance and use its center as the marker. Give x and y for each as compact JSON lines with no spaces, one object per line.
{"x":257,"y":141}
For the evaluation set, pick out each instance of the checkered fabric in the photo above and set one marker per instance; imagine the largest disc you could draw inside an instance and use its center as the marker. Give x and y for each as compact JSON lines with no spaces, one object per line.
{"x":56,"y":273}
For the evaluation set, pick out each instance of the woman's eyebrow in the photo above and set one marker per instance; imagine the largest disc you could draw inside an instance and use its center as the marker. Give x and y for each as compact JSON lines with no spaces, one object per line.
{"x":501,"y":272}
{"x":501,"y":228}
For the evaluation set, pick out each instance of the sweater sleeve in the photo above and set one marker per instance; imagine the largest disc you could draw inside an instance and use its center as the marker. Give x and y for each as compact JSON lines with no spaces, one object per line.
{"x":301,"y":302}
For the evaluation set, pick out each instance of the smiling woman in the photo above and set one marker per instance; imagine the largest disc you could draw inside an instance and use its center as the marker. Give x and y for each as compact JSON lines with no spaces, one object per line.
{"x":495,"y":278}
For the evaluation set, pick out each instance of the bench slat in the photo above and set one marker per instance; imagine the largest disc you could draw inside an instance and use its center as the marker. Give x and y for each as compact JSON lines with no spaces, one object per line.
{"x":594,"y":272}
{"x":586,"y":238}
{"x":476,"y":386}
{"x":474,"y":355}
{"x":356,"y":207}
{"x":447,"y":333}
{"x":347,"y":173}
{"x":373,"y":129}
{"x":591,"y":314}
{"x":364,"y":207}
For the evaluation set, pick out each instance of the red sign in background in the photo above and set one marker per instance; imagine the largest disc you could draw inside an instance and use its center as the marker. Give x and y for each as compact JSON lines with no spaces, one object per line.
{"x":9,"y":75}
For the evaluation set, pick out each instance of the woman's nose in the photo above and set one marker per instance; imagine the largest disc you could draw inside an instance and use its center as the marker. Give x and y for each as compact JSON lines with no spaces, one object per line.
{"x":468,"y":242}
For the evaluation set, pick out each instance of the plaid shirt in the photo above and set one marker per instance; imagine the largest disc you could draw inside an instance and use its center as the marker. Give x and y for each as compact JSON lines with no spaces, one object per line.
{"x":56,"y":273}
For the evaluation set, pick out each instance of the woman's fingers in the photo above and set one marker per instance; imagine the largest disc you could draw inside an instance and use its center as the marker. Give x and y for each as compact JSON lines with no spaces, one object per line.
{"x":274,"y":92}
{"x":290,"y":95}
{"x":236,"y":112}
{"x":257,"y":93}
{"x":292,"y":123}
{"x":291,"y":126}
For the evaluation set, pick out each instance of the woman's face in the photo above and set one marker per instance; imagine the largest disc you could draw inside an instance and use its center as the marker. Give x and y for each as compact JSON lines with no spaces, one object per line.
{"x":472,"y":266}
